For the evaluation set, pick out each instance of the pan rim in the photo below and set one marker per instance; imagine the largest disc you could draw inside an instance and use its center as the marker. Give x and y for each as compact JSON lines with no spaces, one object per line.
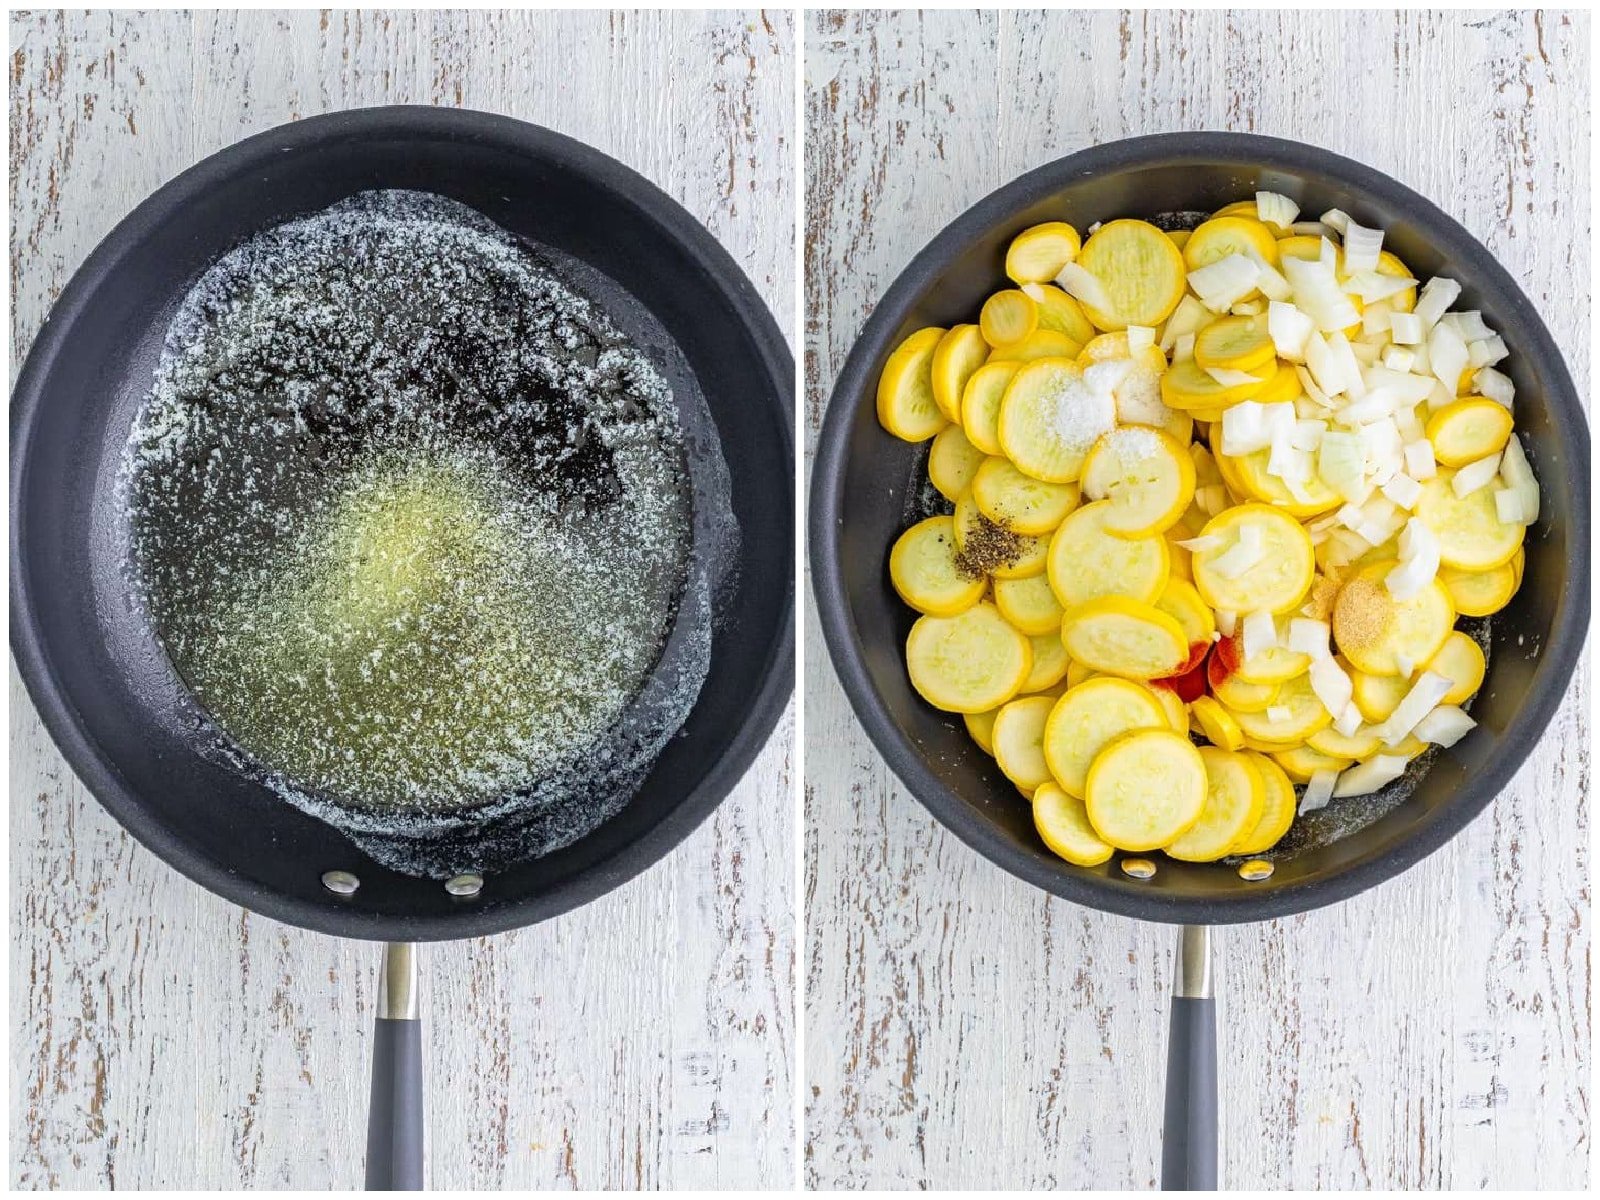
{"x":774,"y":677}
{"x":1109,"y":893}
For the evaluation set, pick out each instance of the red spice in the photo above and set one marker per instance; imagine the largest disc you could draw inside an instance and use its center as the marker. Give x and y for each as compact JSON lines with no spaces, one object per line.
{"x":1189,"y":685}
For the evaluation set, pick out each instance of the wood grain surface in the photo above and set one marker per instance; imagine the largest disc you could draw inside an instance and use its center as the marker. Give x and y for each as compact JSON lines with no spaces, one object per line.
{"x":963,"y":1030}
{"x":164,"y":1038}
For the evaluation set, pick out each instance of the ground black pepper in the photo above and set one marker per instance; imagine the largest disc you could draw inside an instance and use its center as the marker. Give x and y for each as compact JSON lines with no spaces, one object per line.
{"x":988,"y":546}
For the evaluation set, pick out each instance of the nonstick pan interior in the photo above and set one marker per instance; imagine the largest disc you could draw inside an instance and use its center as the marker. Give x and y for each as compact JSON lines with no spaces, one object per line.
{"x":105,"y":688}
{"x":866,"y":486}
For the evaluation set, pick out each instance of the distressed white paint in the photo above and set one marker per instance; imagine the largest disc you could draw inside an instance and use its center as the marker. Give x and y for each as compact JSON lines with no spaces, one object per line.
{"x":963,"y":1030}
{"x":164,"y":1038}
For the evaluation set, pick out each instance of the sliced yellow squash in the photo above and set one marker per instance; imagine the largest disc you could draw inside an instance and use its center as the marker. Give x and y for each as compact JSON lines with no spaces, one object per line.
{"x":1018,"y":737}
{"x":906,"y":407}
{"x":1087,"y":560}
{"x":1063,"y":825}
{"x":1145,"y":789}
{"x":922,"y":567}
{"x":969,"y":662}
{"x":1236,"y":797}
{"x":1020,"y":502}
{"x":1037,"y":254}
{"x":1087,"y":717}
{"x":953,"y":461}
{"x":1145,"y":476}
{"x":1124,"y":637}
{"x":1140,"y":271}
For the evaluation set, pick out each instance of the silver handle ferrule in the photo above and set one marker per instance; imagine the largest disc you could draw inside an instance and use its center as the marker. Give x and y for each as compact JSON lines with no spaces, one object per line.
{"x":397,"y":983}
{"x":1192,"y":979}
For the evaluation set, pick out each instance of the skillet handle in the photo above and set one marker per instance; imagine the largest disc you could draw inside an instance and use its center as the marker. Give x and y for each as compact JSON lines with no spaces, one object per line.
{"x":394,"y":1118}
{"x":1189,"y":1134}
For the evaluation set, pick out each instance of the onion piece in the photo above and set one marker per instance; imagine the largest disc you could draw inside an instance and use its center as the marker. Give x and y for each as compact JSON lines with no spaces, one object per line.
{"x":1348,"y":721}
{"x":1445,"y":725}
{"x":1485,"y":352}
{"x":1519,"y":475}
{"x":1361,"y":247}
{"x":1447,"y":356}
{"x":1398,"y":358}
{"x":1189,"y":317}
{"x":1085,"y":287}
{"x":1244,"y":554}
{"x":1508,"y":506}
{"x":1425,"y":694}
{"x":1403,"y":491}
{"x":1438,"y":294}
{"x":1206,"y":541}
{"x":1336,"y":219}
{"x":1318,"y":792}
{"x":1420,"y":463}
{"x":1139,"y":337}
{"x":1496,"y":386}
{"x":1330,"y":683}
{"x":1475,"y":475}
{"x":1227,"y":621}
{"x":1309,"y":637}
{"x":1405,"y":329}
{"x":1365,"y":778}
{"x":1275,"y":208}
{"x":1223,"y":283}
{"x":1259,"y":634}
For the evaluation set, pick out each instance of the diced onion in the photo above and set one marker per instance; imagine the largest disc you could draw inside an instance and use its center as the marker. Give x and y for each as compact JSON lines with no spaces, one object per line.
{"x":1403,"y":490}
{"x":1398,"y":358}
{"x":1229,"y":377}
{"x":1485,"y":352}
{"x":1225,"y":282}
{"x":1508,"y":506}
{"x":1226,"y":621}
{"x":1276,"y":209}
{"x":1270,"y":282}
{"x":1373,"y":286}
{"x":1425,"y":693}
{"x":1330,"y":683}
{"x":1519,"y":475}
{"x":1318,"y":792}
{"x":1140,"y":337}
{"x":1079,"y":283}
{"x":1405,"y":329}
{"x":1468,"y":325}
{"x":1361,"y":247}
{"x":1336,"y":220}
{"x":1183,"y":348}
{"x":1475,"y":475}
{"x":1245,"y":553}
{"x":1438,"y":294}
{"x":1447,"y":356}
{"x":1341,"y":463}
{"x":1206,"y":541}
{"x":1309,"y":637}
{"x":1445,"y":725}
{"x":1420,"y":463}
{"x":1279,"y":713}
{"x":1419,"y":561}
{"x":1318,"y":295}
{"x":1496,"y":386}
{"x":1260,"y":634}
{"x":1189,"y":317}
{"x":1365,"y":778}
{"x":1348,"y":721}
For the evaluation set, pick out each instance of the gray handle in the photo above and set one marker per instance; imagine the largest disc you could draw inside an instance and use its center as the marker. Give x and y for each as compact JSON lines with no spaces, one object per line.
{"x":1189,"y":1136}
{"x":1189,"y":1129}
{"x":394,"y":1119}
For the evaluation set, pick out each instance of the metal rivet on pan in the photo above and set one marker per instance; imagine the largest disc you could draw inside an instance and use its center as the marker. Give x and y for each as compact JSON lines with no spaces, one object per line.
{"x":1255,"y":870}
{"x":1138,"y":868}
{"x":469,"y":884}
{"x":340,"y":883}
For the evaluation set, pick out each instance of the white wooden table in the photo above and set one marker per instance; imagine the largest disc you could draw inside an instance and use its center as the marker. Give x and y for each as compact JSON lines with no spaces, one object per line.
{"x":164,"y":1038}
{"x":963,"y":1030}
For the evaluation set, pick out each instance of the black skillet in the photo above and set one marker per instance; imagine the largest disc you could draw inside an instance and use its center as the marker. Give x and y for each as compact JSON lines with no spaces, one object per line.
{"x":864,"y":491}
{"x":106,"y":691}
